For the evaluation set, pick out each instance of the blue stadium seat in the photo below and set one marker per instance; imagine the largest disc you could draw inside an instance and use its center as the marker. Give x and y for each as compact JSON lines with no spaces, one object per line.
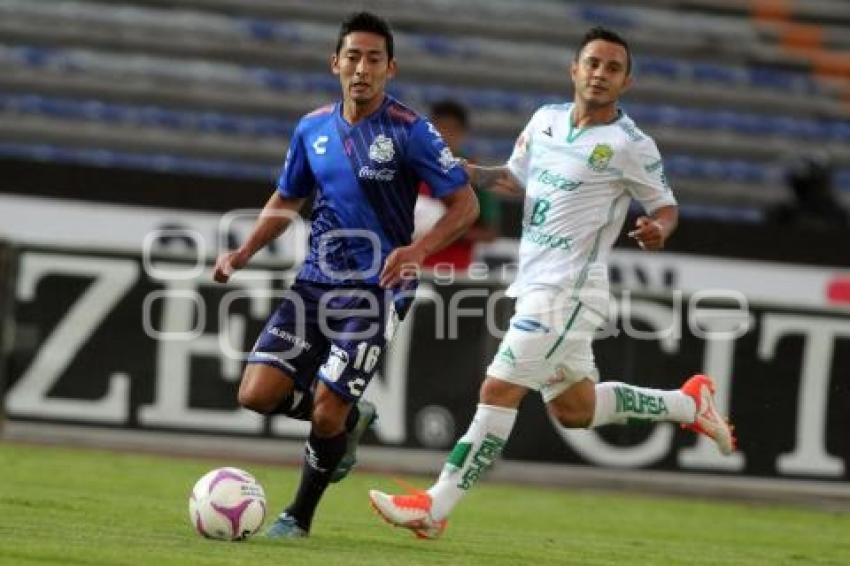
{"x":600,"y":15}
{"x":156,"y":162}
{"x":268,"y":30}
{"x":146,"y":115}
{"x":652,"y":66}
{"x":707,"y":72}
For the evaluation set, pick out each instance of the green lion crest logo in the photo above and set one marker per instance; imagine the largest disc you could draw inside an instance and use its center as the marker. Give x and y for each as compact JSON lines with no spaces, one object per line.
{"x":600,"y":157}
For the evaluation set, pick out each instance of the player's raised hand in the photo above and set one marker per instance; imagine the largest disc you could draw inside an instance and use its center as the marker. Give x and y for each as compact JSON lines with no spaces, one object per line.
{"x":226,"y":264}
{"x":402,"y":263}
{"x":649,"y":233}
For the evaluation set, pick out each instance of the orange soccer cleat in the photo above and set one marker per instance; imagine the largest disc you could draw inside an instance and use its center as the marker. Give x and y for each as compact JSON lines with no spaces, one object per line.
{"x":411,"y":511}
{"x":708,"y":421}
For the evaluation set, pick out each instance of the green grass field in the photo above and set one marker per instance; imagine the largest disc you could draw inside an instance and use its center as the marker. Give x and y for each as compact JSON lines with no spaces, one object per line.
{"x":75,"y":506}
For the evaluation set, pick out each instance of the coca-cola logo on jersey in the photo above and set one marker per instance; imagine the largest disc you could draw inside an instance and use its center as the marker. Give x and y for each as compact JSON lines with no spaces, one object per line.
{"x":371,"y":174}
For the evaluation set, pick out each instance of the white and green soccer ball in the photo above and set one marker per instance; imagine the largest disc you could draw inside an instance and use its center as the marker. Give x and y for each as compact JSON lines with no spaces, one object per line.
{"x":227,"y":504}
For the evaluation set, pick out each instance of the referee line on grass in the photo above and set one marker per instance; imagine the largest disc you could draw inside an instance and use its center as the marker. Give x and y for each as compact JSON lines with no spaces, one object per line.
{"x":833,"y":496}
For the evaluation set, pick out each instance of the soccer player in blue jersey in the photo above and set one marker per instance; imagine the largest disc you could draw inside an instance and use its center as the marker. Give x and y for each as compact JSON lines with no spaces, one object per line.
{"x":364,"y":157}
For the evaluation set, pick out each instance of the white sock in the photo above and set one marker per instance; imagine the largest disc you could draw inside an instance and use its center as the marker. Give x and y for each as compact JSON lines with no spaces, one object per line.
{"x":617,"y":403}
{"x":473,"y":454}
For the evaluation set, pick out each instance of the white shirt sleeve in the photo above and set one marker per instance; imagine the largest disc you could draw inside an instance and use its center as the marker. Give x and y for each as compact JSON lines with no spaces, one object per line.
{"x":521,"y":155}
{"x":645,"y":179}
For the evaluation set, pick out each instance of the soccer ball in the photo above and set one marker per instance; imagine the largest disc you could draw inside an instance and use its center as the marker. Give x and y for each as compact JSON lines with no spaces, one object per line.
{"x":227,"y":504}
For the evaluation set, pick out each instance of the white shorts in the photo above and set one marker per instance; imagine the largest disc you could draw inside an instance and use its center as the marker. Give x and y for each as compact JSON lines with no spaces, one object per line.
{"x":548,"y":345}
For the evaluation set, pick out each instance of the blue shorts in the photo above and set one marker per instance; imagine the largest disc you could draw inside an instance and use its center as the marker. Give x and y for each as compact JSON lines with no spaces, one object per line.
{"x":337,"y":334}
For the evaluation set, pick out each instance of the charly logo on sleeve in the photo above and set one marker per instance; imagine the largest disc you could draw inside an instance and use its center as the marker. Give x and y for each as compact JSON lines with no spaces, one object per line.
{"x":600,"y":157}
{"x":319,"y":145}
{"x":381,"y":150}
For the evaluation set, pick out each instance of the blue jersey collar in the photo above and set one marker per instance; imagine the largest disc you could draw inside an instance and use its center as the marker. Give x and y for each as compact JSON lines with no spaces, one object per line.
{"x":338,"y":110}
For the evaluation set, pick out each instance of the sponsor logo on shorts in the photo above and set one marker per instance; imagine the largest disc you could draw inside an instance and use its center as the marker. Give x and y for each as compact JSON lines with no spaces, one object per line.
{"x":529,"y":325}
{"x":296,"y":341}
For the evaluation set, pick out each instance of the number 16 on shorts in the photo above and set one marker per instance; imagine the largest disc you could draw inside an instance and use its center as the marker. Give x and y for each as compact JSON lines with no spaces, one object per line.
{"x":348,"y":376}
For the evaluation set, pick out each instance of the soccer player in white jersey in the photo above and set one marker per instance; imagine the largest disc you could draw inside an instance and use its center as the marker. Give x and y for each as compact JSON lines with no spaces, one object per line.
{"x":579,"y":164}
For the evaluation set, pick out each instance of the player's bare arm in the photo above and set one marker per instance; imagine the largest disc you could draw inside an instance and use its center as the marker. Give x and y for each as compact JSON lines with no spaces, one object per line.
{"x":273,"y":220}
{"x":651,"y":232}
{"x":461,"y":213}
{"x":498,"y":179}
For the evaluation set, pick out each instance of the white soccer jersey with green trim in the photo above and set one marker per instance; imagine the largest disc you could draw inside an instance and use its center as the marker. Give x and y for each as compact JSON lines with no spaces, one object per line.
{"x":578,"y":185}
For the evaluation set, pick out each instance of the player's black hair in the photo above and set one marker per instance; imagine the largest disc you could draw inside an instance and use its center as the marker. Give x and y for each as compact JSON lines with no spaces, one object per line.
{"x":610,"y":36}
{"x":449,"y":108}
{"x":368,"y":22}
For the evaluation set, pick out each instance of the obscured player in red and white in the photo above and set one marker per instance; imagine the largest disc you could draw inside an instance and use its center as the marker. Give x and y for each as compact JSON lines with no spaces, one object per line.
{"x":451,"y":119}
{"x":579,"y":165}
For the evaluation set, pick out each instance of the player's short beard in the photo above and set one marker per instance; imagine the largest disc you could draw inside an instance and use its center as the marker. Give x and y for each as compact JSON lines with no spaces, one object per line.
{"x":360,"y":101}
{"x":365,"y":98}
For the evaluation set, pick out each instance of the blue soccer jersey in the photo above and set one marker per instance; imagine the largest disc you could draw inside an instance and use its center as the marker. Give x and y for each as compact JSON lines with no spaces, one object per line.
{"x":366,"y":177}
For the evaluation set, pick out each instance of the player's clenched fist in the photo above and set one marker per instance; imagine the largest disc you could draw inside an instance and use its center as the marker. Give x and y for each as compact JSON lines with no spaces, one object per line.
{"x":226,"y":265}
{"x":402,"y":263}
{"x":649,"y":233}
